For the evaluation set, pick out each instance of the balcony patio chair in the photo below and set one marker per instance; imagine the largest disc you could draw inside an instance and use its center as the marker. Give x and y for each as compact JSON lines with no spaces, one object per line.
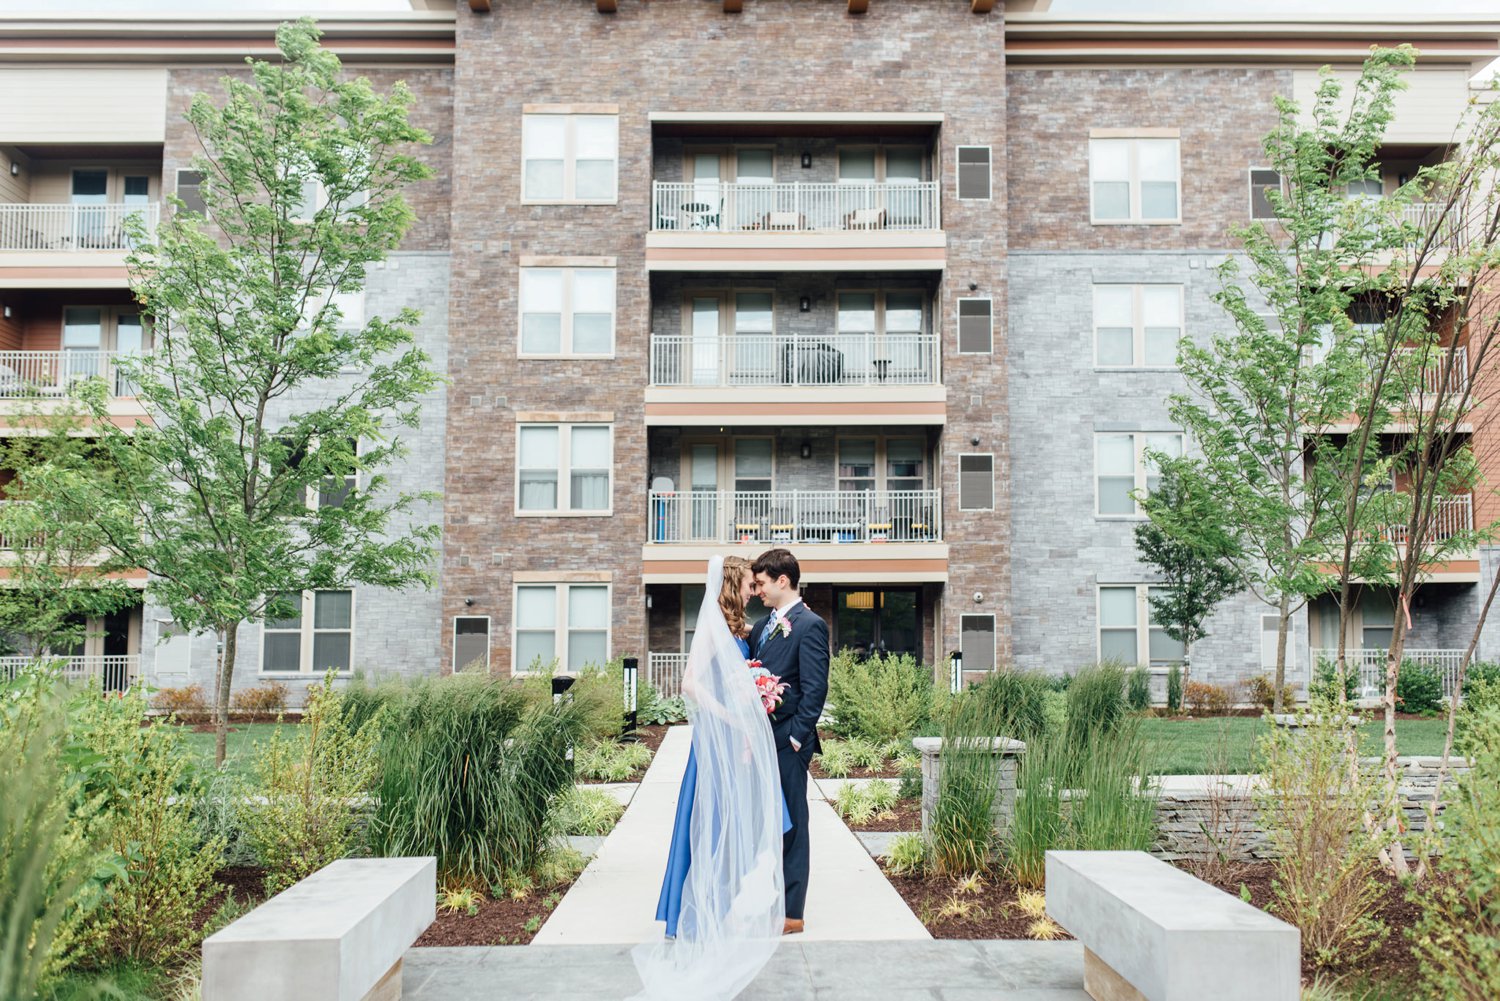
{"x":812,"y":364}
{"x":701,"y":215}
{"x":786,"y":221}
{"x":865,"y":219}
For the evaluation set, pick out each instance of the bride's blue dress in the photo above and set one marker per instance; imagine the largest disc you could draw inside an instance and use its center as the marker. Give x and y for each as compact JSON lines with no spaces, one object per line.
{"x":669,"y":905}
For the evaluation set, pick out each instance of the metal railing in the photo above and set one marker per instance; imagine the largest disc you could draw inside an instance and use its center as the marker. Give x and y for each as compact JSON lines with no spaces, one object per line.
{"x":1371,"y":666}
{"x":1450,"y":517}
{"x":114,"y":672}
{"x":1425,"y":215}
{"x":664,"y":672}
{"x":804,"y":516}
{"x":71,"y":227}
{"x":1435,"y":363}
{"x":10,"y":542}
{"x":795,"y":207}
{"x":51,"y":373}
{"x":849,"y":359}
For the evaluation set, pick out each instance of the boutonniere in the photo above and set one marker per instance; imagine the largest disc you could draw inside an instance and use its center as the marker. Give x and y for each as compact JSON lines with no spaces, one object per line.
{"x":783,"y":627}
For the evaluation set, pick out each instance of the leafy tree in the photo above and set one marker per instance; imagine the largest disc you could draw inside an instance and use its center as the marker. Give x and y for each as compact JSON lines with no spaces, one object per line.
{"x":252,"y":412}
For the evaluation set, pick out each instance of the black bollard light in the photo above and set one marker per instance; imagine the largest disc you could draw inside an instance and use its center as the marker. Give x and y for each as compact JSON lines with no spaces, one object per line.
{"x":632,"y":673}
{"x":956,"y":678}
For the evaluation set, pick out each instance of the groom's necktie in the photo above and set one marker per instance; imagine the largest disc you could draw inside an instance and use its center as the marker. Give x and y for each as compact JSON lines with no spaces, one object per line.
{"x":770,"y":625}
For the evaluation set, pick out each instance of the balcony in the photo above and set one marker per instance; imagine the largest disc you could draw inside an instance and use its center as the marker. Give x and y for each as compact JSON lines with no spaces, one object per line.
{"x":1451,"y":516}
{"x":820,"y":360}
{"x":1369,"y":666}
{"x":756,"y":517}
{"x":114,"y":672}
{"x":68,"y":246}
{"x":727,"y":226}
{"x":50,"y":374}
{"x":1435,"y":364}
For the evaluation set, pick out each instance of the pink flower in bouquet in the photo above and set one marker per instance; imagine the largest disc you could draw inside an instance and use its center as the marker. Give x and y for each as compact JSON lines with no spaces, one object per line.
{"x":769,"y":686}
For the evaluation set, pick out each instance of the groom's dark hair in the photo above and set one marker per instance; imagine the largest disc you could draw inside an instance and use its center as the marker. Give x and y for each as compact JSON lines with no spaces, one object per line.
{"x":778,"y":563}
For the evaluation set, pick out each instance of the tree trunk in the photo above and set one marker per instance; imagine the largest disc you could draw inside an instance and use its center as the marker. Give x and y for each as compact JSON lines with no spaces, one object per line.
{"x":1394,"y":818}
{"x":228,"y":640}
{"x":1282,"y":628}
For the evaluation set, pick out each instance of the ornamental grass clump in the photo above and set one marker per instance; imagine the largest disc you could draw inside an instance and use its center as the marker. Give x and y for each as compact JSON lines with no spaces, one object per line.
{"x":469,"y":766}
{"x":311,"y":787}
{"x":1457,"y":938}
{"x":962,"y":828}
{"x":1017,"y":701}
{"x":1096,"y":701}
{"x":1313,"y":807}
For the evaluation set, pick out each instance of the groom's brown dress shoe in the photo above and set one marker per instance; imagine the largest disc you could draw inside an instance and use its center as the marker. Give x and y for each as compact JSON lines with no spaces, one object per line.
{"x":793,"y":926}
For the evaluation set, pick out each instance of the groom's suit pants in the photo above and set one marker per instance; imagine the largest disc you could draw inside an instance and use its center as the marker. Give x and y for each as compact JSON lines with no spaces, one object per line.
{"x":794,"y":843}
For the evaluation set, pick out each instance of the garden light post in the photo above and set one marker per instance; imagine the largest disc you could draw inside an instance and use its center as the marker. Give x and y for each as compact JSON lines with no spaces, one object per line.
{"x":560,"y":684}
{"x":632,"y":671}
{"x":956,"y":671}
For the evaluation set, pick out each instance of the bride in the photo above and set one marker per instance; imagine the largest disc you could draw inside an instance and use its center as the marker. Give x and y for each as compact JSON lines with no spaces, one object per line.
{"x":722,"y":894}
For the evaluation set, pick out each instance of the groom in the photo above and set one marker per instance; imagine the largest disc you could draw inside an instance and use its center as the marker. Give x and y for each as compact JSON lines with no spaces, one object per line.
{"x":792,"y":642}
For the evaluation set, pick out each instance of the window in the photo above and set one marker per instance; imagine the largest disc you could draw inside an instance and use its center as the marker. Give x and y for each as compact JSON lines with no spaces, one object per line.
{"x":568,"y":311}
{"x":882,"y":336}
{"x":1121,"y":467}
{"x":1137,"y":326}
{"x":1270,"y":625}
{"x":1263,"y":181}
{"x":471,"y":643}
{"x":856,"y":464}
{"x":975,"y":327}
{"x":317,"y":636}
{"x":977,"y":642}
{"x":752,"y":465}
{"x":564,"y":468}
{"x":976,"y":482}
{"x":1377,"y":620}
{"x":1122,"y":611}
{"x":974,"y":173}
{"x":190,"y":190}
{"x":335,"y":489}
{"x":91,"y":335}
{"x":882,"y":463}
{"x":1134,"y":180}
{"x":566,"y":623}
{"x":569,"y":158}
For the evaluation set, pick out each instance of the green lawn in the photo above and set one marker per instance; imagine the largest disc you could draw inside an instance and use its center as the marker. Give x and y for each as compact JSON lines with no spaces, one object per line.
{"x":1194,"y":747}
{"x":243,"y":740}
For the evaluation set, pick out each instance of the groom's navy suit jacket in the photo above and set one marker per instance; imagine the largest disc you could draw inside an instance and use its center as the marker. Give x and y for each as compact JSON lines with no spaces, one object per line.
{"x":801,"y":660}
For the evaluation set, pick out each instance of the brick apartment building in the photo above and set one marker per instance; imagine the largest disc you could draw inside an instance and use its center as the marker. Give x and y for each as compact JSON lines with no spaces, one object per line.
{"x":893,"y":284}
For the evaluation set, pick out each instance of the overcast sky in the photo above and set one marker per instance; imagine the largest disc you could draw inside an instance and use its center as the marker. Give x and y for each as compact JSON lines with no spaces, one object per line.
{"x":1328,"y":7}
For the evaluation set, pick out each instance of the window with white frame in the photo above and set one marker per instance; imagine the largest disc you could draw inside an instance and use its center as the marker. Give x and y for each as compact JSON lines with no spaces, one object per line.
{"x":316,"y":636}
{"x":471,"y":643}
{"x":566,"y":623}
{"x":564,"y":468}
{"x":976,"y":641}
{"x":1128,"y":631}
{"x":976,"y":482}
{"x":1122,"y":466}
{"x":1137,"y":326}
{"x":569,"y":158}
{"x":568,"y":312}
{"x":1134,"y":180}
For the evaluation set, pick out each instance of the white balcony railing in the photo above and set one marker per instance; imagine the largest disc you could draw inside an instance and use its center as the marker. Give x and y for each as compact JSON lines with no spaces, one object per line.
{"x":849,"y":359}
{"x":114,"y":672}
{"x":795,"y":207}
{"x":1425,"y":215}
{"x":51,"y":373}
{"x":664,"y":672}
{"x":757,"y":516}
{"x":11,"y":542}
{"x":71,"y":227}
{"x":1371,"y":666}
{"x":1434,"y":363}
{"x":1450,"y":517}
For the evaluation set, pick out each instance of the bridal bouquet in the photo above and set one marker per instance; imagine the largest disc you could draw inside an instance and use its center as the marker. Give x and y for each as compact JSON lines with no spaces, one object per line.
{"x":770,"y":686}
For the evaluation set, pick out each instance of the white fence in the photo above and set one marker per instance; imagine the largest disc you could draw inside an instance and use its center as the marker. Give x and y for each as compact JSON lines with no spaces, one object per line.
{"x":1371,"y":666}
{"x":71,"y":227}
{"x":845,"y":359}
{"x":795,"y":207}
{"x":664,"y":672}
{"x":756,"y":516}
{"x":114,"y":672}
{"x":51,"y":373}
{"x":1450,"y":516}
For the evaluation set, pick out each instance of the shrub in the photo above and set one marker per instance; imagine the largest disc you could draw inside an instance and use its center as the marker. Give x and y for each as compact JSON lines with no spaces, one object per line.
{"x":1174,"y":689}
{"x":911,"y":782}
{"x":1457,"y":938}
{"x":263,"y":700}
{"x":1261,"y":690}
{"x":1481,"y":671}
{"x":186,"y":703}
{"x":1325,"y":686}
{"x":587,"y":812}
{"x":144,"y":784}
{"x":1204,"y":699}
{"x":653,"y":710}
{"x":218,"y":815}
{"x":1016,"y":701}
{"x":597,"y":694}
{"x":880,"y":699}
{"x":312,"y":783}
{"x":610,"y":760}
{"x":1481,"y":697}
{"x":469,"y":766}
{"x":1312,"y":806}
{"x":1419,"y":688}
{"x":1138,"y":695}
{"x":907,"y":855}
{"x":1096,"y":701}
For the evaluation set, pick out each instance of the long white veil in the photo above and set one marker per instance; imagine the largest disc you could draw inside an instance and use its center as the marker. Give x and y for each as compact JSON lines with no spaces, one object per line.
{"x":732,"y":903}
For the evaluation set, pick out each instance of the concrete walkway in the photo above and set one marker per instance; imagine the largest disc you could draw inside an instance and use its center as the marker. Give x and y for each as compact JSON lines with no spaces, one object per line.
{"x":614,"y":900}
{"x":800,"y":971}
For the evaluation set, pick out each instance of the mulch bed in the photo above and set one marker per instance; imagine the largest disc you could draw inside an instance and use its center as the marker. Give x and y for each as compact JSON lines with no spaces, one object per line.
{"x":993,"y":909}
{"x":499,"y":922}
{"x":887,"y":772}
{"x":905,"y":816}
{"x":653,"y":735}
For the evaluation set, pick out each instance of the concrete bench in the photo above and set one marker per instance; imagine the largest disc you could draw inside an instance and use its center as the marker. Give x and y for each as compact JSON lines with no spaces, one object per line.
{"x":338,"y":935}
{"x":1150,"y":931}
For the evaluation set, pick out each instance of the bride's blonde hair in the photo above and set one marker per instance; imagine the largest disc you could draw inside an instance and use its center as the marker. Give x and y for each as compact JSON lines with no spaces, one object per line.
{"x":736,"y":569}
